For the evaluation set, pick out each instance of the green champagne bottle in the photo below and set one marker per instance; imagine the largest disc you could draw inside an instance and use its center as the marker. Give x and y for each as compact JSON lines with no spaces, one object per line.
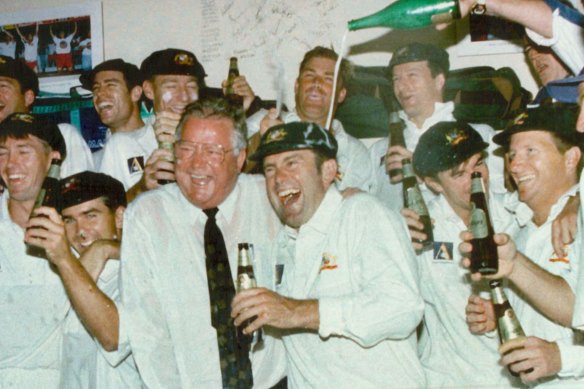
{"x":410,"y":14}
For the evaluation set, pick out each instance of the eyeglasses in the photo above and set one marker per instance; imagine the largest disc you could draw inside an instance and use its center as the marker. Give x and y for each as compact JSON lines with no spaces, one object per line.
{"x":213,"y":153}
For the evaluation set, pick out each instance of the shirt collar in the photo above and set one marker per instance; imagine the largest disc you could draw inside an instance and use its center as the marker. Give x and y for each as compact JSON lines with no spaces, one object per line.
{"x":325,"y":212}
{"x":442,"y":111}
{"x":523,"y":214}
{"x":226,"y":208}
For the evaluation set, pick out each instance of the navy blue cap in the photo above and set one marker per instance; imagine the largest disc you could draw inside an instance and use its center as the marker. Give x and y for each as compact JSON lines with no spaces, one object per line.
{"x":86,"y":186}
{"x":557,"y":118}
{"x":296,"y":136}
{"x":18,"y":70}
{"x":444,"y":146}
{"x":172,"y":61}
{"x":415,"y":52}
{"x":18,"y":124}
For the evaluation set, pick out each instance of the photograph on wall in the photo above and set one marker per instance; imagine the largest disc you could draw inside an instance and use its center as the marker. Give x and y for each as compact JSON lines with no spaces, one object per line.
{"x":57,"y":43}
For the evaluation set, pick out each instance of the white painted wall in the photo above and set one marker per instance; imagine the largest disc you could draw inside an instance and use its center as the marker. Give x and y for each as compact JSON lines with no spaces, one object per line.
{"x":134,"y":28}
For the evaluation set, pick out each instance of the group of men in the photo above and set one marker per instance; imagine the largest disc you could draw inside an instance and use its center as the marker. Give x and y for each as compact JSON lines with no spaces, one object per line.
{"x":346,"y":296}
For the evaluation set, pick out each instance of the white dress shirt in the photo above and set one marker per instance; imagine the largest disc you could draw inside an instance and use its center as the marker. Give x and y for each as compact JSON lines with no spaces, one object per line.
{"x":33,"y":307}
{"x":125,"y":154}
{"x":363,"y":272}
{"x":164,"y":284}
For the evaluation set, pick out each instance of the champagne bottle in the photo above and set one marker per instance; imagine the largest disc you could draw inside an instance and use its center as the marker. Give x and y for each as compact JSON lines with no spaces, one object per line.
{"x":48,"y":196}
{"x":484,"y":258}
{"x":246,"y":280}
{"x":231,"y":75}
{"x":414,"y":200}
{"x":410,"y":14}
{"x":511,"y":333}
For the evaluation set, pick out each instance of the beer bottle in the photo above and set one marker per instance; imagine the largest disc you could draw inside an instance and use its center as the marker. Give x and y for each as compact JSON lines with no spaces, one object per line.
{"x":414,"y":200}
{"x":48,"y":196}
{"x":170,"y":147}
{"x":246,"y":280}
{"x":396,"y":133}
{"x":410,"y":14}
{"x":511,"y":333}
{"x":483,"y":257}
{"x":231,"y":75}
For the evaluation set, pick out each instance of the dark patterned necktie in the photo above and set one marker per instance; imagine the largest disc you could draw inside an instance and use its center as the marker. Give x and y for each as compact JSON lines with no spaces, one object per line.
{"x":233,"y":346}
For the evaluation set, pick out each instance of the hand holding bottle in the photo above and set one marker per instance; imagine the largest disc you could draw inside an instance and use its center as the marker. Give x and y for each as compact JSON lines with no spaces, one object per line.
{"x":506,"y":251}
{"x":393,"y":161}
{"x":415,"y":228}
{"x":534,"y":359}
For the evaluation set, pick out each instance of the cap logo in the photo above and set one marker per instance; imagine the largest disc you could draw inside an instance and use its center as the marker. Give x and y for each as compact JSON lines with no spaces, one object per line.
{"x":456,"y":136}
{"x":276,"y":135}
{"x":2,"y":61}
{"x":23,"y":117}
{"x":183,"y":59}
{"x":72,"y":184}
{"x":520,"y":119}
{"x":402,"y":51}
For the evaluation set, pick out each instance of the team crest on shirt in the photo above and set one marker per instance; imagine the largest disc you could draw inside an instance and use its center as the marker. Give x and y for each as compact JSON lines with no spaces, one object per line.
{"x":328,"y":262}
{"x":565,"y":260}
{"x":443,"y":252}
{"x":136,"y":164}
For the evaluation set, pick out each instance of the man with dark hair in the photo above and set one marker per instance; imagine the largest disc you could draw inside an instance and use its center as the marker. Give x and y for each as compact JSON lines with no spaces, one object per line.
{"x":418,"y":73}
{"x":348,"y":302}
{"x":20,"y":86}
{"x":446,"y":156}
{"x":89,"y":227}
{"x":173,"y":78}
{"x":117,"y":91}
{"x":180,"y":261}
{"x":34,"y":303}
{"x":313,"y":94}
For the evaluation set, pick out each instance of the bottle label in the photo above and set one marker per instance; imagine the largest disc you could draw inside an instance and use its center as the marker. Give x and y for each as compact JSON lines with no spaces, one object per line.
{"x":246,"y":281}
{"x":476,"y":185}
{"x":408,"y":170}
{"x":478,"y":223}
{"x":445,"y":17}
{"x":415,"y":201}
{"x":509,"y":327}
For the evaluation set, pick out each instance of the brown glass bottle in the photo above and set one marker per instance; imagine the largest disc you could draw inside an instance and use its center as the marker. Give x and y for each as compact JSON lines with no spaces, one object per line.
{"x":246,"y":279}
{"x":396,"y":132}
{"x":48,"y":196}
{"x":233,"y":73}
{"x":414,"y":200}
{"x":483,"y":257}
{"x":511,"y":333}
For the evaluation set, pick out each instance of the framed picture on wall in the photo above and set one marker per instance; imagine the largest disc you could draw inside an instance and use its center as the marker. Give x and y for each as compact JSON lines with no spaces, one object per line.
{"x":484,"y":35}
{"x":58,"y":43}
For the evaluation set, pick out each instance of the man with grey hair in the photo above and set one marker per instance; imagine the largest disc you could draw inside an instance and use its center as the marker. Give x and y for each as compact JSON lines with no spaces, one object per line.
{"x":180,"y":261}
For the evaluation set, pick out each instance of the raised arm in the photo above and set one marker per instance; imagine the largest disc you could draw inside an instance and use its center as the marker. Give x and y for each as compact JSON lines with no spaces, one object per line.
{"x":95,"y":309}
{"x":19,"y":33}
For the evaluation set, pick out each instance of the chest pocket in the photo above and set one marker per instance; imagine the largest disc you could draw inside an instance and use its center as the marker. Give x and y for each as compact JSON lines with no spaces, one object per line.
{"x":333,"y":278}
